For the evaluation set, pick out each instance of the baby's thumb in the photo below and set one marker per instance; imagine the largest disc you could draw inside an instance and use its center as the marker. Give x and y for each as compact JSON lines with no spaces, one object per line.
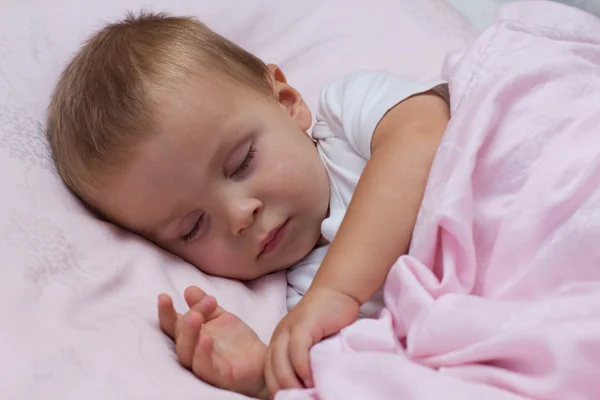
{"x":193,"y":295}
{"x":167,"y":316}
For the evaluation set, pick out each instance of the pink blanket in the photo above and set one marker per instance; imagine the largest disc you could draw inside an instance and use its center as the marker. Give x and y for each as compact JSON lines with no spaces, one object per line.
{"x":500,"y":295}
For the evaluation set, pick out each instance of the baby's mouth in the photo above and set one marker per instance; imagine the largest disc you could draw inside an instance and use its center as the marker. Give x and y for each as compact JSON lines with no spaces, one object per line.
{"x":273,"y":239}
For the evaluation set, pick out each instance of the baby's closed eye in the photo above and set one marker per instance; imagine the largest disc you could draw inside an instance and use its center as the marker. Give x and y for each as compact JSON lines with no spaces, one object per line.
{"x":196,"y":222}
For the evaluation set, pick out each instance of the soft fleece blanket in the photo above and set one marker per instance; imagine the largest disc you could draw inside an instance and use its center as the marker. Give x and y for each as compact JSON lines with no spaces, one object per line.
{"x":500,"y":295}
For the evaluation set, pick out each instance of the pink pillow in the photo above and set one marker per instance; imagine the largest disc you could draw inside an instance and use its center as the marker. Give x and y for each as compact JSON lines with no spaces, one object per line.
{"x":78,"y":295}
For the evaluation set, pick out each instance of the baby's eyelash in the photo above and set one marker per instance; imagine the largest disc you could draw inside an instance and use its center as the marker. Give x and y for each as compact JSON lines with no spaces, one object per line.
{"x":194,"y":231}
{"x":246,"y":163}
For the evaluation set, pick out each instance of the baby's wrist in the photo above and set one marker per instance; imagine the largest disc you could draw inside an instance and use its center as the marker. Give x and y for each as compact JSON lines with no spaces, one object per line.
{"x":332,"y":290}
{"x":327,"y":296}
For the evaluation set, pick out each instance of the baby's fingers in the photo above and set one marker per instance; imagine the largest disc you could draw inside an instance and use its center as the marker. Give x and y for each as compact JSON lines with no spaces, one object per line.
{"x":198,"y":300}
{"x":167,"y":316}
{"x":270,"y":378}
{"x":193,"y":295}
{"x":209,"y":308}
{"x":281,"y":366}
{"x":203,"y":364}
{"x":187,"y":337}
{"x":300,"y":345}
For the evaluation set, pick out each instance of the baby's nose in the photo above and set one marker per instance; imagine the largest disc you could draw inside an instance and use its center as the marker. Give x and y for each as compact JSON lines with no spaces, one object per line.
{"x":243,"y":215}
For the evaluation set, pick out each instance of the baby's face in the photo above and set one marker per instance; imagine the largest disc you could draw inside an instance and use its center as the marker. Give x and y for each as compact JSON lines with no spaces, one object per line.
{"x":231,"y":183}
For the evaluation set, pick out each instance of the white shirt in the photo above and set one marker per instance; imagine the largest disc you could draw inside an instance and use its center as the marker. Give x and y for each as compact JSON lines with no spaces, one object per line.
{"x":350,"y":109}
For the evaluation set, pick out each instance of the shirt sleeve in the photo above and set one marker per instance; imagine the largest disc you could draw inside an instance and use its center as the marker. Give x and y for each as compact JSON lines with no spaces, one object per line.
{"x":351,"y":107}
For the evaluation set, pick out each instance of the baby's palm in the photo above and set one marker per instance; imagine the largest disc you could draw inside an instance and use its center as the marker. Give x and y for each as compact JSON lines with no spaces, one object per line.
{"x":215,"y":344}
{"x":237,"y":359}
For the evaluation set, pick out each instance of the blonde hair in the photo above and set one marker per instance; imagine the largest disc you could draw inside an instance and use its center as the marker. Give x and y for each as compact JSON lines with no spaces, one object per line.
{"x":104,"y":100}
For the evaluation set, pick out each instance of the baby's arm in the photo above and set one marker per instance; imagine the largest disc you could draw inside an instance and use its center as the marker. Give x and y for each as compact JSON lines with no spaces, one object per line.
{"x":376,"y":230}
{"x":378,"y":225}
{"x":214,"y":344}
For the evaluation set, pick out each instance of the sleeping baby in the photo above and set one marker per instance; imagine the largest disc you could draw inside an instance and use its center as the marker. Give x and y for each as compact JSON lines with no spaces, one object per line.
{"x":171,"y":131}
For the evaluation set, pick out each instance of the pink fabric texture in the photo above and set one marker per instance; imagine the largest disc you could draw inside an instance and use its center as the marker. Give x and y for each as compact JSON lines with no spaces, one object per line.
{"x":77,"y":295}
{"x":499,"y":297}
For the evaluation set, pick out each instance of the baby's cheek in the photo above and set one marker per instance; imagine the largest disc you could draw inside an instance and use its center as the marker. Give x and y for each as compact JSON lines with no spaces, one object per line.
{"x":214,"y":257}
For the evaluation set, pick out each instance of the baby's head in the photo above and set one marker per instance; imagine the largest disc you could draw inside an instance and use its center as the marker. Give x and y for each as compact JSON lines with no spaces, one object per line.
{"x":175,"y":133}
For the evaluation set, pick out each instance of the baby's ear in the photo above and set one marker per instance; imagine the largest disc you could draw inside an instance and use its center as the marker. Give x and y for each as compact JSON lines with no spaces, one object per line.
{"x":277,"y":74}
{"x":289,"y":98}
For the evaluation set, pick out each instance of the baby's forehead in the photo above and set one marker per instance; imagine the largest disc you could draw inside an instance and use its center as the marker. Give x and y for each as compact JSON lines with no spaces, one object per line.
{"x":208,"y":91}
{"x":213,"y":104}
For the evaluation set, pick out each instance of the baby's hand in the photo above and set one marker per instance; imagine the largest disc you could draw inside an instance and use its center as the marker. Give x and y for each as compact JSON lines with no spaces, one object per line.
{"x":320,"y":313}
{"x":214,"y":344}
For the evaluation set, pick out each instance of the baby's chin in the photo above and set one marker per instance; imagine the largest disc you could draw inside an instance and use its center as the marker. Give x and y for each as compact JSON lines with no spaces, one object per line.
{"x":278,"y":268}
{"x":246,"y":277}
{"x":302,"y":255}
